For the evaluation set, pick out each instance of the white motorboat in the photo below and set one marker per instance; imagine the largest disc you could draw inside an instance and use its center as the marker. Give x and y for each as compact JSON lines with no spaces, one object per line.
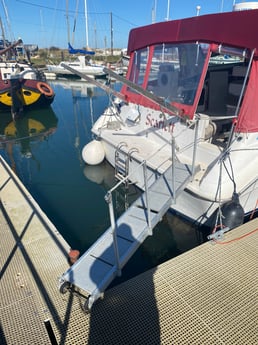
{"x":82,"y":64}
{"x":177,"y":107}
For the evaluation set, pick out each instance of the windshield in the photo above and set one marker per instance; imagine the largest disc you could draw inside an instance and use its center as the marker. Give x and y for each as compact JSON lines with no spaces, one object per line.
{"x":176,"y":71}
{"x":173,"y":73}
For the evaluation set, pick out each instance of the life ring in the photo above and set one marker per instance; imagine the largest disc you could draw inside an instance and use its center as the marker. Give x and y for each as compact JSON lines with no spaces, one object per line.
{"x":45,"y":89}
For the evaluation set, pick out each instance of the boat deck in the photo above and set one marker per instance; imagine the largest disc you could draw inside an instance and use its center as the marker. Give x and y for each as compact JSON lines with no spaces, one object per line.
{"x":207,"y":295}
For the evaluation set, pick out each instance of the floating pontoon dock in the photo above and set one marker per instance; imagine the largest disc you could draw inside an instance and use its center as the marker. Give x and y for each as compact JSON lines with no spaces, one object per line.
{"x":207,"y":295}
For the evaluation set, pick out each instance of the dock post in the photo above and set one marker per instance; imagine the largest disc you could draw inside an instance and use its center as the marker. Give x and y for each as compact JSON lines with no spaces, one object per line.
{"x":50,"y":332}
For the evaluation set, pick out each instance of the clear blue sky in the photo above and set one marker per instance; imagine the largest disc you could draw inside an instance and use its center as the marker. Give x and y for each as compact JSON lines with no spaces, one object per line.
{"x":44,"y":22}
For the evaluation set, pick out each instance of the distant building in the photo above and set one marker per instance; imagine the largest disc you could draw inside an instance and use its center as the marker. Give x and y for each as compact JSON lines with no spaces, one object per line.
{"x":32,"y":48}
{"x":4,"y":44}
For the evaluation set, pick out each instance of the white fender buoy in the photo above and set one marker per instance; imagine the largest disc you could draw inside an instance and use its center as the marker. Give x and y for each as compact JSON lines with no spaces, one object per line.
{"x":93,"y":153}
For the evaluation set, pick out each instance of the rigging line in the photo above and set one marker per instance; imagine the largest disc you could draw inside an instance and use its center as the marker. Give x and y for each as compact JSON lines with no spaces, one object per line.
{"x":231,"y":177}
{"x":42,"y":6}
{"x":220,"y":215}
{"x":64,"y":11}
{"x":254,"y":210}
{"x":124,"y":20}
{"x":237,"y":238}
{"x":75,"y":20}
{"x":53,"y":31}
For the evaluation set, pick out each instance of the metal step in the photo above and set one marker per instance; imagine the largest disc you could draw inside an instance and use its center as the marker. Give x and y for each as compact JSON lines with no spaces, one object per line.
{"x":98,"y":266}
{"x":122,"y":161}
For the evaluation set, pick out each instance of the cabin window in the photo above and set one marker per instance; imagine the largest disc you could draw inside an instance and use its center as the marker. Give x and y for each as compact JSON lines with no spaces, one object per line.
{"x":139,"y":65}
{"x":224,"y":84}
{"x":176,"y":70}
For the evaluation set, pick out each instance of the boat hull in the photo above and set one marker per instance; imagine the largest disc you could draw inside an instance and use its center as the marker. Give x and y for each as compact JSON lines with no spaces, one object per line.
{"x":28,"y":93}
{"x":91,"y":70}
{"x":188,"y":205}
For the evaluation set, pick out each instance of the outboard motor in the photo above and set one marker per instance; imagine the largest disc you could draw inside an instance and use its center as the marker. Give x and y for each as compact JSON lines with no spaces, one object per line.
{"x":232,"y":212}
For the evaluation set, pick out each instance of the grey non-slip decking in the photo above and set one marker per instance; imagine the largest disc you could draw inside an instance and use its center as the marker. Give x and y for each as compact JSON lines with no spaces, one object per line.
{"x":205,"y":296}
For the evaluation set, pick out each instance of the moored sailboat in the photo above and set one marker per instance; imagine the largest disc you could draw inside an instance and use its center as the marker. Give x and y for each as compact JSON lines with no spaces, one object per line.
{"x":83,"y":62}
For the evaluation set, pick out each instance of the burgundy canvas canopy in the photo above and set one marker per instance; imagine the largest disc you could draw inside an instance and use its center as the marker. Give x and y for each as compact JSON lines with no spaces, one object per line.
{"x":237,"y":29}
{"x":232,"y":29}
{"x":248,"y":117}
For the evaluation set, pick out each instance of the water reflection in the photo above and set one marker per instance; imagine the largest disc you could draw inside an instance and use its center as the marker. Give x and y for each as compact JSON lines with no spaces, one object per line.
{"x":33,"y":126}
{"x":102,"y":174}
{"x":79,"y":88}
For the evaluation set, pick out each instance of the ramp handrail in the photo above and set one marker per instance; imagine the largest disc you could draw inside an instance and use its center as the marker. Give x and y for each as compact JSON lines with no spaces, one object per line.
{"x":109,"y":199}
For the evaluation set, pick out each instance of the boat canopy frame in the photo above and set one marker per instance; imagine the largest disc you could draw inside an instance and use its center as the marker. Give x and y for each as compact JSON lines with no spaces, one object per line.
{"x":173,"y":72}
{"x":201,"y":30}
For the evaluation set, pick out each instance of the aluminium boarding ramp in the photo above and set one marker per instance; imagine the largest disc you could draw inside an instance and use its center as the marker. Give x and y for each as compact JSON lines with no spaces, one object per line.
{"x":98,"y":266}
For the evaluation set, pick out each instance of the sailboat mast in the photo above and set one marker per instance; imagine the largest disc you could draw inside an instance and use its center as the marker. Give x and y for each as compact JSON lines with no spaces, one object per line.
{"x":67,"y":21}
{"x":86,"y":23}
{"x":2,"y":30}
{"x":111,"y":25}
{"x":7,"y":19}
{"x":154,"y":10}
{"x":168,"y":10}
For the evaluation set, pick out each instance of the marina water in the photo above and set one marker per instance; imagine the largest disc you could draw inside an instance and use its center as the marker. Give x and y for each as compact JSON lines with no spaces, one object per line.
{"x":44,"y":149}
